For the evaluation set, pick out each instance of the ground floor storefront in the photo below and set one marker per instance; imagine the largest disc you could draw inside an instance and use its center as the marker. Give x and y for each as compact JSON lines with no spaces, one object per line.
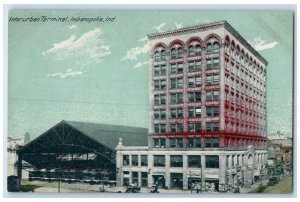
{"x":204,"y":170}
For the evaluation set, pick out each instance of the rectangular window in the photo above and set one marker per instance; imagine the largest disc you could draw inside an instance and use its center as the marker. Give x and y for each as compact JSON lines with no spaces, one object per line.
{"x":134,"y":160}
{"x":144,"y":179}
{"x":198,"y":65}
{"x":209,"y":63}
{"x":173,"y":128}
{"x":162,"y":99}
{"x":191,"y":82}
{"x":162,"y":128}
{"x":208,"y":142}
{"x":159,"y":161}
{"x":180,"y":68}
{"x":194,"y":161}
{"x":156,"y":128}
{"x":162,"y":142}
{"x":208,"y":126}
{"x":172,"y":142}
{"x":198,"y":126}
{"x":179,"y":142}
{"x":212,"y":95}
{"x":198,"y":81}
{"x":197,"y":142}
{"x":208,"y":111}
{"x":156,"y":100}
{"x":179,"y":83}
{"x":173,"y":98}
{"x":198,"y":96}
{"x":209,"y":80}
{"x":144,"y":160}
{"x":216,"y":126}
{"x":209,"y":95}
{"x":191,"y":112}
{"x":191,"y":142}
{"x":191,"y":127}
{"x":179,"y":97}
{"x":212,"y":161}
{"x":176,"y":161}
{"x":216,"y":111}
{"x":216,"y":95}
{"x":162,"y":114}
{"x":173,"y":68}
{"x":156,"y":142}
{"x":163,"y":84}
{"x":156,"y":85}
{"x":163,"y":70}
{"x":125,"y":160}
{"x":216,"y":62}
{"x":159,"y":128}
{"x":180,"y":113}
{"x":198,"y":111}
{"x":173,"y":83}
{"x":173,"y":113}
{"x":191,"y":97}
{"x":156,"y":71}
{"x":191,"y":66}
{"x":156,"y":114}
{"x":216,"y":79}
{"x":179,"y":127}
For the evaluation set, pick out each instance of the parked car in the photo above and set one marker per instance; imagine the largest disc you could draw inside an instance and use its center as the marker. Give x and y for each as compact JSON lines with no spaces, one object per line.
{"x":273,"y":180}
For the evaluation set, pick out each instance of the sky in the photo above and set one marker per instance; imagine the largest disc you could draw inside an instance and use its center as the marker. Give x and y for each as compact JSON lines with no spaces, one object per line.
{"x":98,"y":71}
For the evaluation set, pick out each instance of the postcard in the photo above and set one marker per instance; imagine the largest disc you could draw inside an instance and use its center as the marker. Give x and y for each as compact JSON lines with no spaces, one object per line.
{"x":150,"y":101}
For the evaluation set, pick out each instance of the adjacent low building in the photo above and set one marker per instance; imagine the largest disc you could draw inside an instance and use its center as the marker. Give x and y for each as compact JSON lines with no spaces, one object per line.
{"x":207,"y":123}
{"x":77,"y":151}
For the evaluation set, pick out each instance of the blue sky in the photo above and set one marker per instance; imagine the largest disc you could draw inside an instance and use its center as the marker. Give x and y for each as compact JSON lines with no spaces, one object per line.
{"x":97,"y":72}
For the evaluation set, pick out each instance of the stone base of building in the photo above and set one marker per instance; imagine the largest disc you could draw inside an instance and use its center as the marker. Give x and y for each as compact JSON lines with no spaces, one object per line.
{"x":218,"y":169}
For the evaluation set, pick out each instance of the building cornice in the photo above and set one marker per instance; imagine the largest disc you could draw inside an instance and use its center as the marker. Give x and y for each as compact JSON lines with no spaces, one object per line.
{"x":208,"y":26}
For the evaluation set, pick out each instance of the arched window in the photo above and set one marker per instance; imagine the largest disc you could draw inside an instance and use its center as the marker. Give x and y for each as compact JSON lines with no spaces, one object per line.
{"x":209,"y":48}
{"x":198,"y":50}
{"x":163,"y":55}
{"x":173,"y":53}
{"x":180,"y":52}
{"x":216,"y":47}
{"x":156,"y":56}
{"x":192,"y":51}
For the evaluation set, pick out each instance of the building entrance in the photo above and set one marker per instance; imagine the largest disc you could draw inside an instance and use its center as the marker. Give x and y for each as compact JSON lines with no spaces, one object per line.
{"x":159,"y":180}
{"x":176,"y":181}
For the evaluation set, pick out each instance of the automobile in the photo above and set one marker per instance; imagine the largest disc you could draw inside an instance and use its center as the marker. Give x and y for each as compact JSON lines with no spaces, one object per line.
{"x":272,"y":181}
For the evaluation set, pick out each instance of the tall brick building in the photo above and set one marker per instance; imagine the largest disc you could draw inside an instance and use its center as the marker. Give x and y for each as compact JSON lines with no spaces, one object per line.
{"x":207,"y":122}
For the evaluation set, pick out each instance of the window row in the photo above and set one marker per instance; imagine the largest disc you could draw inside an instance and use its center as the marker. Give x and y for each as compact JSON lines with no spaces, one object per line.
{"x":193,"y":97}
{"x":193,"y":112}
{"x":193,"y":81}
{"x":192,"y":127}
{"x":194,"y":49}
{"x":189,"y":143}
{"x":194,"y":161}
{"x":135,"y":160}
{"x":177,"y":68}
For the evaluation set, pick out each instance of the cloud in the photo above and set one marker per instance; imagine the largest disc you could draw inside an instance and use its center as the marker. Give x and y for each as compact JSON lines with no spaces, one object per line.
{"x":159,"y":27}
{"x":133,"y":53}
{"x":71,"y":27}
{"x":143,"y":39}
{"x":260,"y":44}
{"x":68,"y":73}
{"x":139,"y":64}
{"x":77,"y":53}
{"x":178,"y":25}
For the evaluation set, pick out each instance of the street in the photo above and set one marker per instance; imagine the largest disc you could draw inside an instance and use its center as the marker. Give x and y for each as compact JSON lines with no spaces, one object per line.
{"x":284,"y":186}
